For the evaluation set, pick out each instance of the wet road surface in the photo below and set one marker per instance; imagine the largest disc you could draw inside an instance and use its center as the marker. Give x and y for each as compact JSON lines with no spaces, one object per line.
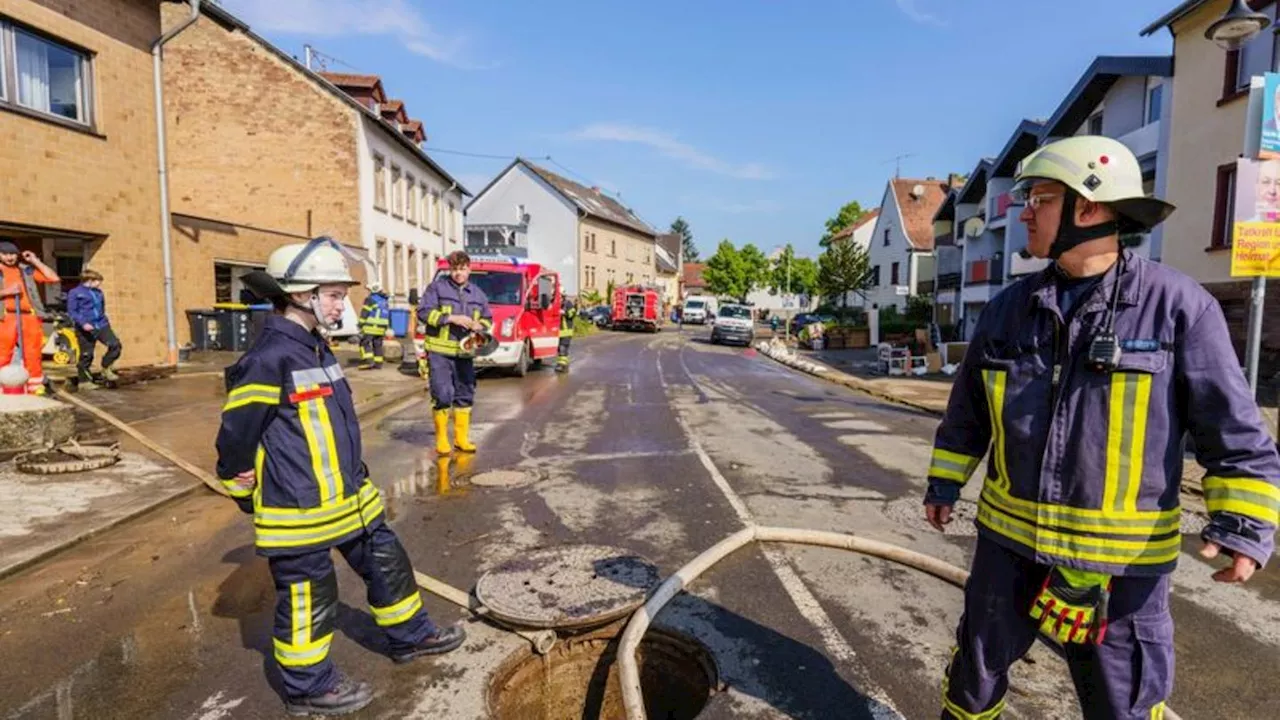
{"x":661,"y":444}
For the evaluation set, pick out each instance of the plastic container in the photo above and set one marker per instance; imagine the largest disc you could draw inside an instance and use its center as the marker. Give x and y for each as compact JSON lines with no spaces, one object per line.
{"x":399,"y":322}
{"x":206,"y":329}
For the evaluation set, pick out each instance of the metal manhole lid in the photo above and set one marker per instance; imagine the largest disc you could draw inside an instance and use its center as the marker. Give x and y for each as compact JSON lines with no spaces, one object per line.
{"x":570,"y":586}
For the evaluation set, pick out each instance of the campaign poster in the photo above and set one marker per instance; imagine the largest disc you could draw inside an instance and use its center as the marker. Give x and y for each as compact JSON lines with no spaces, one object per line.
{"x":1255,"y":237}
{"x":1270,"y":146}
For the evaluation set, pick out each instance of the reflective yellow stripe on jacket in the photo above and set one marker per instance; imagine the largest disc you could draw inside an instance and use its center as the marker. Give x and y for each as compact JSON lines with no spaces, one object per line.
{"x":1251,"y":497}
{"x":252,"y":393}
{"x":947,"y":465}
{"x":1126,"y":439}
{"x":994,"y":382}
{"x":299,"y":527}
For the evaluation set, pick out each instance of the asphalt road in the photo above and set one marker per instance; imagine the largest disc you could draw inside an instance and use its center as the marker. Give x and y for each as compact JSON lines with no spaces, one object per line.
{"x":662,"y":444}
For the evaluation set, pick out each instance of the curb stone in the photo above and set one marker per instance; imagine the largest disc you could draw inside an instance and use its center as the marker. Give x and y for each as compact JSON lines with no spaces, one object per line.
{"x":372,"y":404}
{"x":785,"y":356}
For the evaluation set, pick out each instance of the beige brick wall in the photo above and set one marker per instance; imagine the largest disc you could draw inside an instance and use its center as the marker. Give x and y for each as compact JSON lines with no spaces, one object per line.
{"x":616,"y":249}
{"x":102,"y":183}
{"x":256,"y":145}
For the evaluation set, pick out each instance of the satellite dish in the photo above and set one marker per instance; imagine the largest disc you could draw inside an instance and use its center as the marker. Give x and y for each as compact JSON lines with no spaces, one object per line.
{"x":974,"y":227}
{"x":917,"y":191}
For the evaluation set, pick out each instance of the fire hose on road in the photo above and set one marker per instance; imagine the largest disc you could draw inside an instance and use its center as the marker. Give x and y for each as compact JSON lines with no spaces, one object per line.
{"x":628,"y":671}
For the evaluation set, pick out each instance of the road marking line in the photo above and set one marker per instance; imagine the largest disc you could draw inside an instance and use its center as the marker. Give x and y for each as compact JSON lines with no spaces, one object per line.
{"x":804,"y":600}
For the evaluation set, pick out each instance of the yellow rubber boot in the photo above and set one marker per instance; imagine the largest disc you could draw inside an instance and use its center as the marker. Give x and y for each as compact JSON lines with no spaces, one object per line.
{"x":441,"y":418}
{"x":462,"y":428}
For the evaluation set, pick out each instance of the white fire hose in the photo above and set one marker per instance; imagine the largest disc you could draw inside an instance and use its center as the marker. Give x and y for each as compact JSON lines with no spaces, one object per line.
{"x":628,"y":671}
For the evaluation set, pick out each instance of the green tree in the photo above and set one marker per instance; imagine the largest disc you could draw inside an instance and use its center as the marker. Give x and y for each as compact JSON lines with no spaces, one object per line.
{"x":851,"y":213}
{"x":842,"y":269}
{"x":734,"y":273}
{"x":803,"y":276}
{"x":681,"y":228}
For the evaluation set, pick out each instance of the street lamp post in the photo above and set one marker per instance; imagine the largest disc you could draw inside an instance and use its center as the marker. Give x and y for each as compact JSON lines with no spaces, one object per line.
{"x":1235,"y":29}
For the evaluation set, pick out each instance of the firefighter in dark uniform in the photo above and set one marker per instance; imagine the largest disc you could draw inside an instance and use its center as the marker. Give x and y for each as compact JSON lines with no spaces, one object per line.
{"x":456,"y":314}
{"x":375,"y":321}
{"x":568,"y":314}
{"x":289,"y":452}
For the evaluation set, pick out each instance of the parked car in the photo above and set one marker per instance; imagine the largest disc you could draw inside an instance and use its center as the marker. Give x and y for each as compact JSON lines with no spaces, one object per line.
{"x":799,"y":321}
{"x":600,"y":316}
{"x":733,"y":324}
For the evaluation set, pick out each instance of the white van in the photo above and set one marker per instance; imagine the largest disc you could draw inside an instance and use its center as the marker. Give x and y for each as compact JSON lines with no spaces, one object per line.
{"x":698,"y":310}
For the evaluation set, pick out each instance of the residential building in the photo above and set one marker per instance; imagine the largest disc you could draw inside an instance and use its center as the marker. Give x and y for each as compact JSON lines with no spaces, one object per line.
{"x":859,"y":234}
{"x":668,"y":252}
{"x":591,"y":239}
{"x":901,"y":245}
{"x":410,"y":208}
{"x":691,"y":280}
{"x":1206,"y":115}
{"x":78,"y":152}
{"x":265,"y":152}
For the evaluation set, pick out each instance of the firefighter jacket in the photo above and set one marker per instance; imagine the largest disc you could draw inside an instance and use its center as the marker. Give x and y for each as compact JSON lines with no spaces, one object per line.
{"x":87,"y":306}
{"x":442,"y":299}
{"x":1084,"y":466}
{"x":289,"y":418}
{"x":375,"y":316}
{"x":566,"y":321}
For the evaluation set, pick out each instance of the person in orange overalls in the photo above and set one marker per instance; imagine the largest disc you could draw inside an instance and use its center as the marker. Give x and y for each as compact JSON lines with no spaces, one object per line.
{"x":21,"y":310}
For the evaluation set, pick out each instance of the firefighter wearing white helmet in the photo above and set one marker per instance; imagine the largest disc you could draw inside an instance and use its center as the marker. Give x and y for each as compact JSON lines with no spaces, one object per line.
{"x":1077,"y":388}
{"x":289,"y":453}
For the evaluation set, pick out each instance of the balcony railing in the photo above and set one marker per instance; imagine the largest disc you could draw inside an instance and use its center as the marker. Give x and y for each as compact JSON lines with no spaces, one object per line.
{"x":949,"y":281}
{"x":988,"y":271}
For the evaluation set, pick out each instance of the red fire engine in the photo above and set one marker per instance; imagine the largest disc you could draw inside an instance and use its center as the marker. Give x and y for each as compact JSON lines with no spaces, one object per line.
{"x":636,"y":307}
{"x":525,"y":299}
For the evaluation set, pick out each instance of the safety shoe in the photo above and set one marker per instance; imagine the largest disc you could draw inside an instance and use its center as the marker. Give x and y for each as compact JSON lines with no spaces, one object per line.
{"x":441,"y":418}
{"x":109,"y":375}
{"x":462,"y":429}
{"x":445,"y":639}
{"x":346,"y":697}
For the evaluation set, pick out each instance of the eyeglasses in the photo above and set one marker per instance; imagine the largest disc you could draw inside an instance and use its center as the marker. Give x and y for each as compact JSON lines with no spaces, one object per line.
{"x":1035,"y":201}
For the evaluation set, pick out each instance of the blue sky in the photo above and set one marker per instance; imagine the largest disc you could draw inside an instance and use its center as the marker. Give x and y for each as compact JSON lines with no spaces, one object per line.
{"x":755,"y":120}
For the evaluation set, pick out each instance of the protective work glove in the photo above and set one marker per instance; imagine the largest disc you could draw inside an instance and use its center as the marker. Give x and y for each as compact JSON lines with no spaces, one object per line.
{"x":1072,"y":606}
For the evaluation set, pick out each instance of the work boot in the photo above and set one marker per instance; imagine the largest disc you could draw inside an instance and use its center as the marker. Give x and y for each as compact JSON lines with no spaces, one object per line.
{"x":365,"y":366}
{"x":441,"y":418}
{"x":346,"y":697}
{"x":462,"y":428}
{"x":109,"y":375}
{"x":444,"y":640}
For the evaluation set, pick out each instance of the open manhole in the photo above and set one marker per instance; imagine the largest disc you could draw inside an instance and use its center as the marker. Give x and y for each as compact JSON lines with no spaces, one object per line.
{"x":569,"y":586}
{"x":578,"y":679}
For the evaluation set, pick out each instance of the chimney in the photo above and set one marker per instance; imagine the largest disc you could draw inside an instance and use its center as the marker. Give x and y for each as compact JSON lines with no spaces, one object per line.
{"x":595,"y":189}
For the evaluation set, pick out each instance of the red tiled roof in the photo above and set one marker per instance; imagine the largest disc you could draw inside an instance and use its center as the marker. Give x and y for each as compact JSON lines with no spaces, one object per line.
{"x":351,"y":80}
{"x":849,"y":231}
{"x":591,"y":200}
{"x":918,"y":212}
{"x":691,"y":275}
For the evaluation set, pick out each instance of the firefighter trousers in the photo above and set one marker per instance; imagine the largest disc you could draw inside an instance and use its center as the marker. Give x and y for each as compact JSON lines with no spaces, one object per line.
{"x":562,"y":353}
{"x":371,"y":348}
{"x":32,"y":345}
{"x":1128,"y":677}
{"x":453,"y":381}
{"x":307,"y":606}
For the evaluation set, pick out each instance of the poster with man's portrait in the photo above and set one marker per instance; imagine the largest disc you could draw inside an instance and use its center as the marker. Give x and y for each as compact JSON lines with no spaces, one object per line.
{"x":1257,"y":191}
{"x":1270,"y":147}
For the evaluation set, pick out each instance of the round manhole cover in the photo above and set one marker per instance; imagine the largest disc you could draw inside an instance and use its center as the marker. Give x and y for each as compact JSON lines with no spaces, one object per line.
{"x":500,"y":478}
{"x":572,"y":586}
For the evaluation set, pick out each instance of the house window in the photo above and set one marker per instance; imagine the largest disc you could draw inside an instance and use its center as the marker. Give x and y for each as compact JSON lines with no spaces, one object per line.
{"x":43,"y":75}
{"x":383,"y":276}
{"x":1095,"y":124}
{"x":875,"y":275}
{"x":401,"y":271}
{"x":397,"y":193}
{"x":452,"y":225}
{"x":1224,"y":207}
{"x":426,"y":207}
{"x":886,"y":237}
{"x":893,"y":274}
{"x":435,"y":200}
{"x":613,"y":248}
{"x":379,"y":182}
{"x":411,"y":199}
{"x":413,"y":269}
{"x":1155,"y":94}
